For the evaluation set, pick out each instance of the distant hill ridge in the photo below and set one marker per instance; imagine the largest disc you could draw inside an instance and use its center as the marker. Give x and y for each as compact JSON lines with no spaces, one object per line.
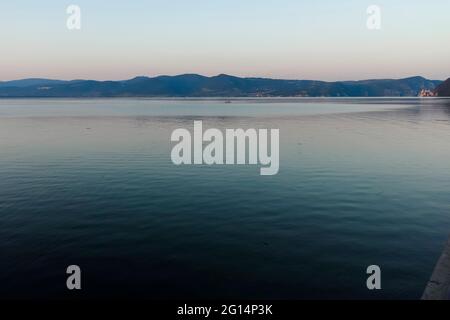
{"x":194,"y":85}
{"x":443,"y":90}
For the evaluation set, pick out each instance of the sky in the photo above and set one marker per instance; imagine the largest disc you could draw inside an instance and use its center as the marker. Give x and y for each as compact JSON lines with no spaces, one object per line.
{"x":289,"y":39}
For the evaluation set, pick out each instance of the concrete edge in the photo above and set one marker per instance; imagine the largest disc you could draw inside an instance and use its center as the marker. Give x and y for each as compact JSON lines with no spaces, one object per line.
{"x":438,"y":288}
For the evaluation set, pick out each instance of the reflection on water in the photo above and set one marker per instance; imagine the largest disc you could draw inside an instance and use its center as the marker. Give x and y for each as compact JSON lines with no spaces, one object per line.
{"x":90,"y":182}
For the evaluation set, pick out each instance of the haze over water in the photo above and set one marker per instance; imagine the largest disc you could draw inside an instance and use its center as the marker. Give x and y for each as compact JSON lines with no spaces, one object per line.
{"x":91,"y":182}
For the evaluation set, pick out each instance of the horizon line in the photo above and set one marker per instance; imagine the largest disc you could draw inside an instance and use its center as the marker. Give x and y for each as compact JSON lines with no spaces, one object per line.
{"x":217,"y":75}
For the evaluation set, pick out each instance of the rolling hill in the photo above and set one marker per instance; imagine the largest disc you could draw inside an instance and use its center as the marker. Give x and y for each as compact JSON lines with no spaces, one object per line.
{"x":193,"y":85}
{"x":443,"y":90}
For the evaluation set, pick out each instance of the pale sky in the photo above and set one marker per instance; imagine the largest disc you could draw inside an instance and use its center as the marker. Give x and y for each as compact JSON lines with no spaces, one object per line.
{"x":294,"y":39}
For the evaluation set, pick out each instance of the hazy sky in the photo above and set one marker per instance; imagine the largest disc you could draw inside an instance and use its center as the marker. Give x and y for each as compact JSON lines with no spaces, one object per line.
{"x":297,"y":39}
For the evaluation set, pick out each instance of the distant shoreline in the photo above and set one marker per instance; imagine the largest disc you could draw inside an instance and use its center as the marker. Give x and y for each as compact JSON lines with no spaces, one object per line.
{"x":224,"y":99}
{"x":222,"y":86}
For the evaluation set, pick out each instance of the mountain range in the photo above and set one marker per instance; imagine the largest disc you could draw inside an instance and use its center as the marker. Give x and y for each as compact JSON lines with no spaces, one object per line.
{"x":194,"y":85}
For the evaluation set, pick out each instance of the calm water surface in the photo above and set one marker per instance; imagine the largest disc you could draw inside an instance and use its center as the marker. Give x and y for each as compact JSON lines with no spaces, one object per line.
{"x":90,"y":182}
